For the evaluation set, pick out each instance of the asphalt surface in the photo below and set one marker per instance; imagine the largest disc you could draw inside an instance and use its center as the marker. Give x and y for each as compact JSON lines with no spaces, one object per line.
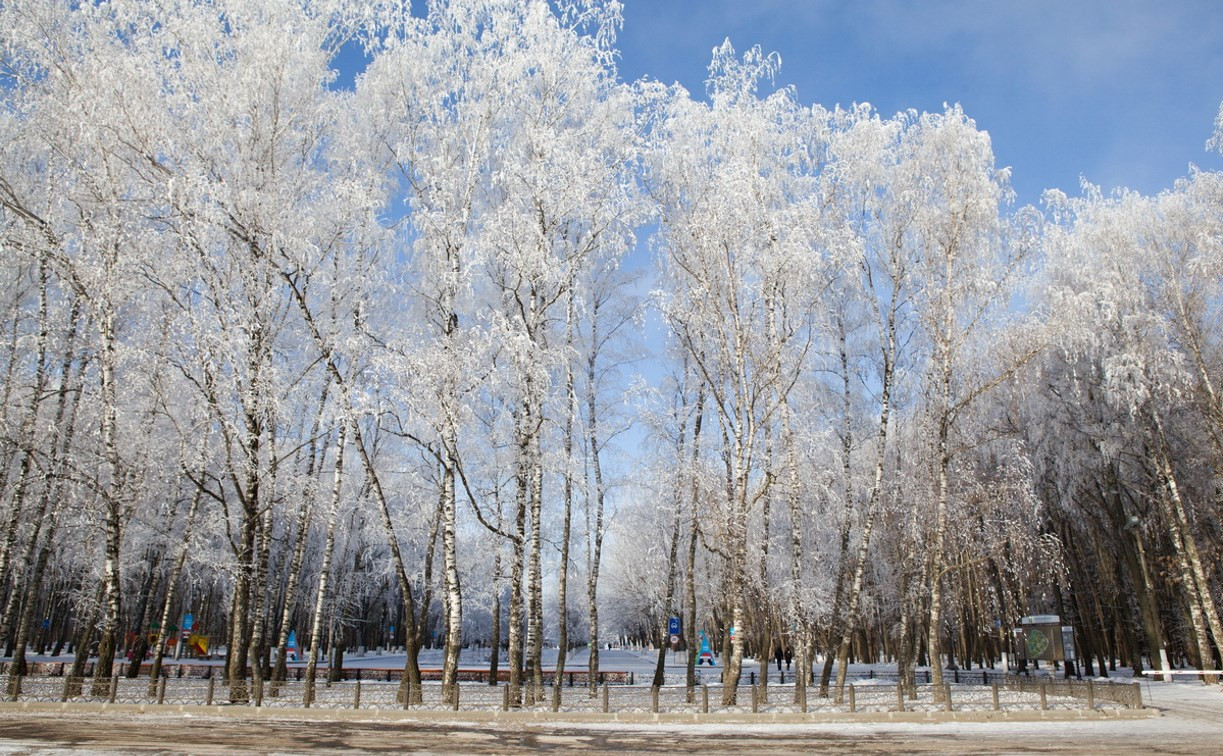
{"x":47,"y":733}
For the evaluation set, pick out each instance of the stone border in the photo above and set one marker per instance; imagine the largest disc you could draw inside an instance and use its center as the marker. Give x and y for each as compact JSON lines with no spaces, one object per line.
{"x":560,"y":718}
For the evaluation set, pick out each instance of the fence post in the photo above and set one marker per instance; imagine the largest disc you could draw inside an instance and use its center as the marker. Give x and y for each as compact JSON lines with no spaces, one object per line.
{"x":505,"y":698}
{"x":308,"y":694}
{"x":704,"y":699}
{"x":984,"y":678}
{"x":654,"y":699}
{"x":802,"y":693}
{"x":67,"y":687}
{"x":161,"y":691}
{"x":853,"y":700}
{"x":1091,"y":696}
{"x":755,"y":699}
{"x":900,"y":698}
{"x":356,"y":694}
{"x":1044,"y":696}
{"x":606,"y":688}
{"x":114,"y":687}
{"x":15,"y":688}
{"x":258,"y":692}
{"x":997,"y":707}
{"x":1138,"y":695}
{"x":456,"y":696}
{"x":212,"y":686}
{"x":947,"y":705}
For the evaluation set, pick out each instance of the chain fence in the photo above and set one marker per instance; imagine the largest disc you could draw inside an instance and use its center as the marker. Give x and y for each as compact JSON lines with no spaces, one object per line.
{"x":1002,"y":693}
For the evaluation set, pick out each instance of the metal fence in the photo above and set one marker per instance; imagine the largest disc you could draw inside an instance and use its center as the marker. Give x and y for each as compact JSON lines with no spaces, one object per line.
{"x":1009,"y":693}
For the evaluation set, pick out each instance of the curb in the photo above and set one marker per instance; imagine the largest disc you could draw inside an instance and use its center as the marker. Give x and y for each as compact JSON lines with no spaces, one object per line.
{"x":548,"y":717}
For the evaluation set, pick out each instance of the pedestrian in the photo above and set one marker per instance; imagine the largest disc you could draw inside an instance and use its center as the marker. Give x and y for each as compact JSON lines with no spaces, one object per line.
{"x":789,"y":657}
{"x":778,"y":654}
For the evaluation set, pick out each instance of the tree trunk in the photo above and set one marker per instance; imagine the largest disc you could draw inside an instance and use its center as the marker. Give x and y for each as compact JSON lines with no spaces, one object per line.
{"x":595,"y":535}
{"x":303,"y":537}
{"x":316,"y":617}
{"x":112,"y":502}
{"x":1194,"y":581}
{"x":450,"y":567}
{"x":562,"y":588}
{"x":176,"y":572}
{"x":692,"y":635}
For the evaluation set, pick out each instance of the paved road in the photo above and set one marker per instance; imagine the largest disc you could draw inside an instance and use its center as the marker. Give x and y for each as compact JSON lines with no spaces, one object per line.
{"x":1192,"y":723}
{"x":61,"y":733}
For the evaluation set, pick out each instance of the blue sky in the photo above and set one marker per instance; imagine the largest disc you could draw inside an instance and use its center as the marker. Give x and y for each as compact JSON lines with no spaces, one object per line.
{"x":1122,"y":92}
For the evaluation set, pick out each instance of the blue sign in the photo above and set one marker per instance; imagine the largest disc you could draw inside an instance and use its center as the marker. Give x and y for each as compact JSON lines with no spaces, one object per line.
{"x":188,"y":621}
{"x":673,"y":626}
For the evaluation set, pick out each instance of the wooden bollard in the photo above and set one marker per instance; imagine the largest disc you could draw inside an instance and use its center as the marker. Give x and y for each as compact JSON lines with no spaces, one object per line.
{"x":997,"y":706}
{"x":853,"y":700}
{"x":1091,"y":696}
{"x":704,"y":699}
{"x":947,"y":705}
{"x":606,"y":699}
{"x":161,"y":691}
{"x":356,"y":694}
{"x":654,"y":699}
{"x":1044,"y":696}
{"x":900,"y":698}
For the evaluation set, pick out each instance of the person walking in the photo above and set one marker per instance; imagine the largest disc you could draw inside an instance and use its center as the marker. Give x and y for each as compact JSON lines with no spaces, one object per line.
{"x":778,"y":654}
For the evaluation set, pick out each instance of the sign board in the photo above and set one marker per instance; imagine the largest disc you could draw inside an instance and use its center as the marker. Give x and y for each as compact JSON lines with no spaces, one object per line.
{"x":291,"y":646}
{"x":1068,"y":642}
{"x":675,"y":629}
{"x":1045,"y":641}
{"x":1041,"y":619}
